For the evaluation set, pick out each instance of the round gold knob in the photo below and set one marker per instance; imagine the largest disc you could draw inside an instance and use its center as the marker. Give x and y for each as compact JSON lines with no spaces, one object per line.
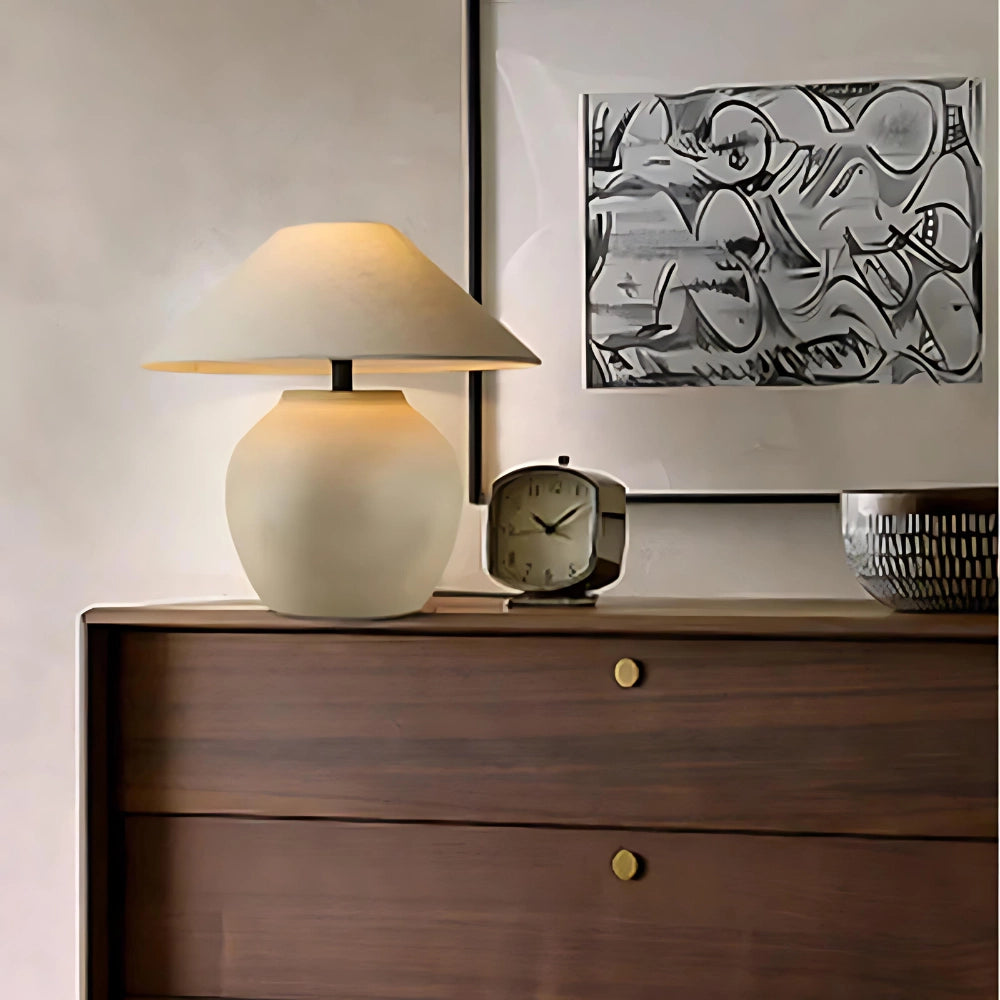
{"x":625,"y":865}
{"x":627,"y":673}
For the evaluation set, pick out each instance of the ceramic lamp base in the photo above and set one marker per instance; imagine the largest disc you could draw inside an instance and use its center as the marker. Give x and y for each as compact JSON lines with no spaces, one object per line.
{"x":343,"y":505}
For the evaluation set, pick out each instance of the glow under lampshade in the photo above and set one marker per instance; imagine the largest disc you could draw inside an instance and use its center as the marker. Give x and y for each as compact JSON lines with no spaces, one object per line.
{"x":341,"y":503}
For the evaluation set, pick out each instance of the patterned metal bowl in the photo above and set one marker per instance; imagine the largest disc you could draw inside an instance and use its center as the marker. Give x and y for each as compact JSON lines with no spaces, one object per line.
{"x":924,"y":550}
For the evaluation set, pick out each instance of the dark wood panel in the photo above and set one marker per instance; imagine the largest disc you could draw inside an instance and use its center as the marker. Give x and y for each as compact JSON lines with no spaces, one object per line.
{"x":808,"y":619}
{"x":888,"y":738}
{"x":286,"y":909}
{"x":103,"y":834}
{"x":95,"y":780}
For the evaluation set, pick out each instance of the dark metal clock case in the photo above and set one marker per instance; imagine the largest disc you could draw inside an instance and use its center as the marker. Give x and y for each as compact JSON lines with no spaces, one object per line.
{"x":606,"y":555}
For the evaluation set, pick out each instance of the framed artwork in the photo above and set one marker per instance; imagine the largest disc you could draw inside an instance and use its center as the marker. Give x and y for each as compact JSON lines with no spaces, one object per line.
{"x":810,"y":235}
{"x":741,"y":287}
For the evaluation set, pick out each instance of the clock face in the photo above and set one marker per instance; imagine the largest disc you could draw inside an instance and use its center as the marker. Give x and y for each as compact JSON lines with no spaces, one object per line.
{"x":542,"y":528}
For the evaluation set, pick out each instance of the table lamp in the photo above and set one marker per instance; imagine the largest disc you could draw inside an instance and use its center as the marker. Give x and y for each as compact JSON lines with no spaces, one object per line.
{"x":341,"y":503}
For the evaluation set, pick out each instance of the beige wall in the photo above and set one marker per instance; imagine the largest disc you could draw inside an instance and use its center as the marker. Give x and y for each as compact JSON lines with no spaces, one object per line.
{"x":147,"y":146}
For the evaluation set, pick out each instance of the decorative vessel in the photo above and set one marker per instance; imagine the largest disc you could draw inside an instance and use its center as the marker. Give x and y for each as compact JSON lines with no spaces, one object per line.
{"x":924,"y":550}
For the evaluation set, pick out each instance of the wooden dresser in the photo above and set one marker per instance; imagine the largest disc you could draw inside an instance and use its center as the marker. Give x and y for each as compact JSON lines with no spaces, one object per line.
{"x":429,"y":808}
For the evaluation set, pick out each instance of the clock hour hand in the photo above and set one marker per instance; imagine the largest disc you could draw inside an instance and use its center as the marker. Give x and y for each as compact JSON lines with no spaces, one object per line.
{"x":548,"y":527}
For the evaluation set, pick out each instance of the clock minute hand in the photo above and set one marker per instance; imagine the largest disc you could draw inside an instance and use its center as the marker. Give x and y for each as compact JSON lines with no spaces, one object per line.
{"x":566,"y":516}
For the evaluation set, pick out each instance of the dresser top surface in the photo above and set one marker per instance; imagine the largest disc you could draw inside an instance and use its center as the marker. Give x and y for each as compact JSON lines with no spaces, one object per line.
{"x":487,"y":615}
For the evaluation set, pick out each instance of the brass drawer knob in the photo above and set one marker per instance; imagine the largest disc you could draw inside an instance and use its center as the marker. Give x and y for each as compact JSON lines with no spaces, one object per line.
{"x":626,"y":866}
{"x":627,"y":672}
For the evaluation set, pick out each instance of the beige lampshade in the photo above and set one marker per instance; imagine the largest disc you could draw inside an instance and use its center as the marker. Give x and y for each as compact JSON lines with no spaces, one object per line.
{"x":357,"y":291}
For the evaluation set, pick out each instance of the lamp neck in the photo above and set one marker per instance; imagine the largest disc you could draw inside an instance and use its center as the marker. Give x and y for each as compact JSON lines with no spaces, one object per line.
{"x":341,"y":376}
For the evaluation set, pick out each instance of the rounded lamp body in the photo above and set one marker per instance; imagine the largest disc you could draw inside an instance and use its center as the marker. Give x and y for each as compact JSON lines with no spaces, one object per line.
{"x":343,"y":505}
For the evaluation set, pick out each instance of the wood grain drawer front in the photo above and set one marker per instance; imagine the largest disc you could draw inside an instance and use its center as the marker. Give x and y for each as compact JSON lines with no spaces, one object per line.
{"x":822,"y":736}
{"x":341,"y":911}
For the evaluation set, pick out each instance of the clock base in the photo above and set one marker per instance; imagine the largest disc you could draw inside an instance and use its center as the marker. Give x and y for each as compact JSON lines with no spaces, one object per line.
{"x":552,"y":600}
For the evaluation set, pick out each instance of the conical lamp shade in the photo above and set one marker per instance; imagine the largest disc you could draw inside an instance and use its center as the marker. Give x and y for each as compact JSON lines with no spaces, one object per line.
{"x":349,"y":291}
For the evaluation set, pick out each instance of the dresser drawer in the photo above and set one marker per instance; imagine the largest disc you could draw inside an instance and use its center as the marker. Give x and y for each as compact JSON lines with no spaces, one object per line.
{"x":227,"y":907}
{"x":826,"y":736}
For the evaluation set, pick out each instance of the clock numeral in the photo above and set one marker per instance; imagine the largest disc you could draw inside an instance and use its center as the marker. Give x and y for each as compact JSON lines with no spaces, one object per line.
{"x":579,"y":489}
{"x":535,"y":489}
{"x":548,"y":576}
{"x":572,"y":570}
{"x":527,"y":570}
{"x":557,"y":486}
{"x":510,"y":559}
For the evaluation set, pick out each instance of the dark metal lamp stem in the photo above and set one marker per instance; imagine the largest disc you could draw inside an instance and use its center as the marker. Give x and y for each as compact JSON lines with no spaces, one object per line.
{"x":341,"y":376}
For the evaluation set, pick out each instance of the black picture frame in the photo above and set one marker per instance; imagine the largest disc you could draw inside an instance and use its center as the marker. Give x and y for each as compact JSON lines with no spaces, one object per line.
{"x":474,"y":189}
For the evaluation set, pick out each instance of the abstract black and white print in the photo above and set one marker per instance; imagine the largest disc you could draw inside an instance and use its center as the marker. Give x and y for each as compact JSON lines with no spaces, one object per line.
{"x":808,"y":235}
